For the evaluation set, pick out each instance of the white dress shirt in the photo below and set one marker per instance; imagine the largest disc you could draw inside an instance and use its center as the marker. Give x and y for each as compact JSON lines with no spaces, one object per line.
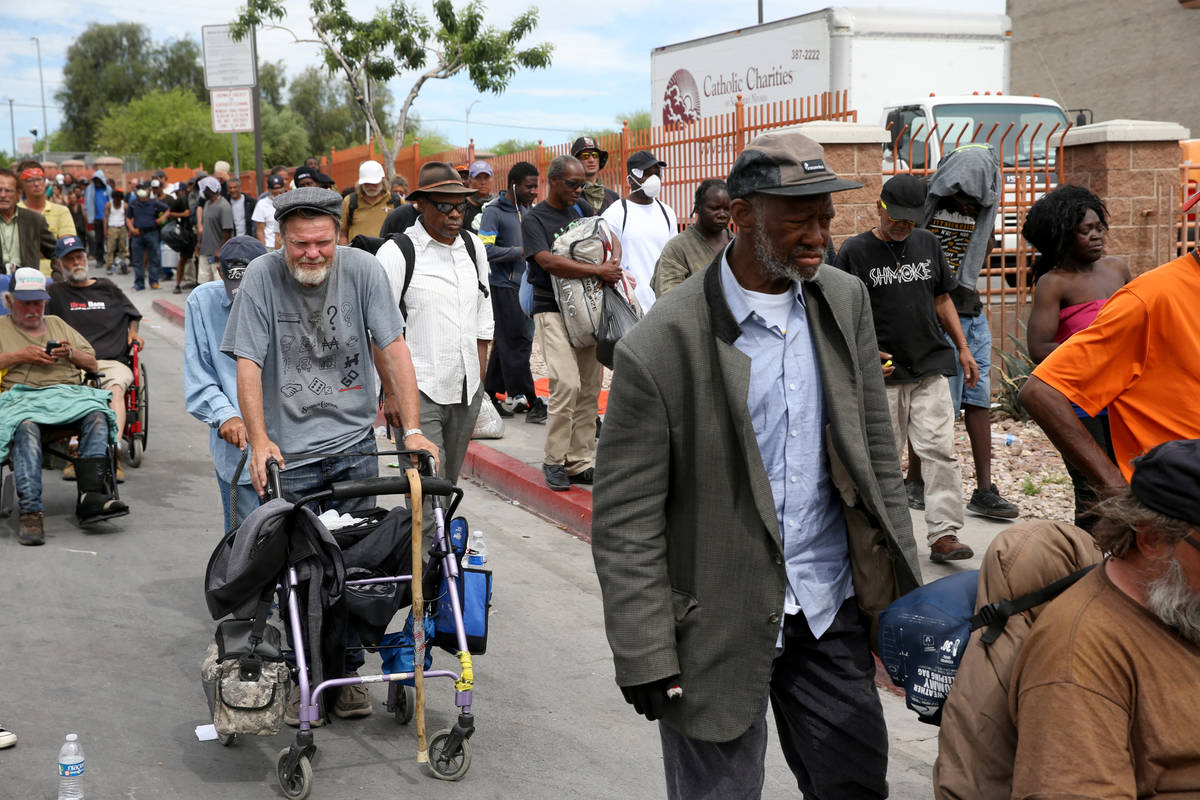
{"x":447,"y":313}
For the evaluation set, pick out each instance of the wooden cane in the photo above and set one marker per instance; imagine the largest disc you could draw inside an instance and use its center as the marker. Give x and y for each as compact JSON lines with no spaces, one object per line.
{"x":418,"y":611}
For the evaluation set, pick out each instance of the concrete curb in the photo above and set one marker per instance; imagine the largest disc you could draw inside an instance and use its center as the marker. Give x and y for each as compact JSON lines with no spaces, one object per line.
{"x":518,"y":481}
{"x":170,"y":310}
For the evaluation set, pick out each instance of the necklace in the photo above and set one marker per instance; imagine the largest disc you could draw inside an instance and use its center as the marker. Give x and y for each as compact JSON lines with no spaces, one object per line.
{"x":891,"y":249}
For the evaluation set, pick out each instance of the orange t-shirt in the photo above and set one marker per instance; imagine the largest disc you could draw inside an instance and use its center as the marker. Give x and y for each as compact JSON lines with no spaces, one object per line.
{"x":1141,"y":359}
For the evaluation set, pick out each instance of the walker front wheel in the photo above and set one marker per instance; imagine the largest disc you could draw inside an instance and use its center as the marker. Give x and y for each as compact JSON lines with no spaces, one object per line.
{"x":298,"y":784}
{"x":452,"y":766}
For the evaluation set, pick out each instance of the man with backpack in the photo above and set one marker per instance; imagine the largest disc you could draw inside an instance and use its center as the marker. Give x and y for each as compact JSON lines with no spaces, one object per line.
{"x":642,"y":222}
{"x":575,"y":374}
{"x":438,"y":273}
{"x":365,"y":209}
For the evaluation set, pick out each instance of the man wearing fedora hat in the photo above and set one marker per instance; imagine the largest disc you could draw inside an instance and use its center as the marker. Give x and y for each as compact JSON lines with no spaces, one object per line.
{"x":749,"y":515}
{"x":593,"y":160}
{"x":447,"y":310}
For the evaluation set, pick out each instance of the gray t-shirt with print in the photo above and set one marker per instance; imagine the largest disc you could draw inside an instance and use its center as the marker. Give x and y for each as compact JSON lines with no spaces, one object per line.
{"x":314,"y":347}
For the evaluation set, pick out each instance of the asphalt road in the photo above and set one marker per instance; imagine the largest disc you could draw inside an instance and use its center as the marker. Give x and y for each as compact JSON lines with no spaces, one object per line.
{"x":104,"y":633}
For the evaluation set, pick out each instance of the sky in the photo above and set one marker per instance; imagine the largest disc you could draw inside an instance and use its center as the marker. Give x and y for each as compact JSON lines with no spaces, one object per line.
{"x":601,"y":63}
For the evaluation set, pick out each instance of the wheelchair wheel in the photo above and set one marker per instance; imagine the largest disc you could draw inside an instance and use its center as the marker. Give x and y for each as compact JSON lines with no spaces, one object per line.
{"x":137,"y":444}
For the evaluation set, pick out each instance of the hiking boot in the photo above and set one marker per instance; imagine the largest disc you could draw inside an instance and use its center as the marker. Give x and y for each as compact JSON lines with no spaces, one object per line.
{"x":500,"y":409}
{"x":69,"y":471}
{"x":989,"y":503}
{"x":588,"y":476}
{"x":353,"y":701}
{"x":537,"y":412}
{"x":949,"y":548}
{"x":519,"y":404}
{"x":291,"y":714}
{"x":556,"y":477}
{"x":30,"y":532}
{"x":7,"y":738}
{"x":120,"y":473}
{"x":916,"y":494}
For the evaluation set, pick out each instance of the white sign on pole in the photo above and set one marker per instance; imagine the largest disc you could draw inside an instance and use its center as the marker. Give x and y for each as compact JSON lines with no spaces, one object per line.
{"x":232,"y":110}
{"x":24,"y":145}
{"x":227,"y":63}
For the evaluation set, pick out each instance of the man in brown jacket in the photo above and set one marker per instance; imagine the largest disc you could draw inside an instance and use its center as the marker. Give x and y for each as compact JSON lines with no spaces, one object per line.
{"x":750,"y":518}
{"x":25,"y":238}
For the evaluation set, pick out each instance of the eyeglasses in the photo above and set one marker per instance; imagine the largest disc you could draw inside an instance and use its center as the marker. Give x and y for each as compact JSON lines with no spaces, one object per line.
{"x":446,"y":208}
{"x":588,"y":154}
{"x":573,"y":184}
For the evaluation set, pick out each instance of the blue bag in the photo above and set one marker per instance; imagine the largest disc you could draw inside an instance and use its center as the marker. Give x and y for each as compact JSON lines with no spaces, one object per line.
{"x":525,"y":293}
{"x":921,"y":640}
{"x":475,"y":598}
{"x":396,"y":649}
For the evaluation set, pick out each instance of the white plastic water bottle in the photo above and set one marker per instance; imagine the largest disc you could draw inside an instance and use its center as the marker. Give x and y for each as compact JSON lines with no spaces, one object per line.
{"x":1008,"y":442}
{"x":477,"y":550}
{"x":70,"y":769}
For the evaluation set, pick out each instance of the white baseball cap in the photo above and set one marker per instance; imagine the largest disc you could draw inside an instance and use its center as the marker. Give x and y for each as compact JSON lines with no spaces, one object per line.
{"x":370,"y":172}
{"x":28,"y":283}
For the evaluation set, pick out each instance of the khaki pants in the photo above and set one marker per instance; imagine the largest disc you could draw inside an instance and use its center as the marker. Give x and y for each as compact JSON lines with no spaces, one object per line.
{"x":207,"y":269}
{"x":922,"y":414}
{"x":118,"y":242}
{"x":575,"y":379}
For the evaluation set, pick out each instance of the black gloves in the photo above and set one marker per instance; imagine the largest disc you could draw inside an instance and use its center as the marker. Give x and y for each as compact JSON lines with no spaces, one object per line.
{"x":649,"y":699}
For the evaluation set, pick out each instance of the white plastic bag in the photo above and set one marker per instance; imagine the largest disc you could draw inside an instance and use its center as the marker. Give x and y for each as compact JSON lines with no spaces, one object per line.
{"x":488,"y":424}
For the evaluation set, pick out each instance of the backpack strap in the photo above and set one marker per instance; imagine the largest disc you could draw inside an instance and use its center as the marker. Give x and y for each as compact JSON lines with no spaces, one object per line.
{"x":666,"y":216}
{"x":469,"y":241}
{"x":624,"y":213}
{"x":995,"y":615}
{"x":353,"y":206}
{"x":410,"y":259}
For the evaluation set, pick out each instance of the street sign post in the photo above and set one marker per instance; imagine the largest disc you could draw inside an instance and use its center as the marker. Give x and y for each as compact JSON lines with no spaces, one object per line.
{"x":227,"y":63}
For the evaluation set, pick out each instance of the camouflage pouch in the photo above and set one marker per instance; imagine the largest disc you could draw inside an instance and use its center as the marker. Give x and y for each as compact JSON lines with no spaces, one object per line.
{"x":247,"y":692}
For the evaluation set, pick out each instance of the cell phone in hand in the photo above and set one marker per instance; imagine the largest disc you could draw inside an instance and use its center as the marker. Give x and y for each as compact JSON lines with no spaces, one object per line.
{"x":51,"y":346}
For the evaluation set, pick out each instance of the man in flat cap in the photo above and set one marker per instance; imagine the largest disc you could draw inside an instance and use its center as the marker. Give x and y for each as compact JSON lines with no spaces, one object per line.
{"x":310,"y":325}
{"x":1106,"y":690}
{"x":749,"y":517}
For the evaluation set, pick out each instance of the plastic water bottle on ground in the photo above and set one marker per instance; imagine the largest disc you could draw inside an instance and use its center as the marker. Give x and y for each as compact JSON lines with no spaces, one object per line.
{"x":70,"y":769}
{"x":477,"y":550}
{"x":1008,"y":442}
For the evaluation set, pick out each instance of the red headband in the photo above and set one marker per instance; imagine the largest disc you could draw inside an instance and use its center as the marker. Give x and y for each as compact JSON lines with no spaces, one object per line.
{"x":33,"y":172}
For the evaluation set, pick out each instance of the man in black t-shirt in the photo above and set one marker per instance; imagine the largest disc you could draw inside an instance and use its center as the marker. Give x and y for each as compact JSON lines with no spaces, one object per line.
{"x":909,"y":283}
{"x":575,"y":374}
{"x":103,"y":315}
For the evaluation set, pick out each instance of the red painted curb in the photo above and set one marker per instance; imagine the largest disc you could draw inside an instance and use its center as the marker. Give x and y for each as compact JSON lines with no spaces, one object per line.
{"x":518,"y":481}
{"x":172,"y":312}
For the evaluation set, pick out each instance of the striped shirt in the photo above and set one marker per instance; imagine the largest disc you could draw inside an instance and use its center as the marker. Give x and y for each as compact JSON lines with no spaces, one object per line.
{"x":447,"y":313}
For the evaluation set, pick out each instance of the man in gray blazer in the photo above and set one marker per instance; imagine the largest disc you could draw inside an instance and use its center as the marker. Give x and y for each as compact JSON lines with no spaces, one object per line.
{"x":749,"y":517}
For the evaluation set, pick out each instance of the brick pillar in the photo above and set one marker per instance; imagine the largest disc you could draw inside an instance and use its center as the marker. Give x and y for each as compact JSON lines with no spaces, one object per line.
{"x":854,"y":150}
{"x":1133,"y":165}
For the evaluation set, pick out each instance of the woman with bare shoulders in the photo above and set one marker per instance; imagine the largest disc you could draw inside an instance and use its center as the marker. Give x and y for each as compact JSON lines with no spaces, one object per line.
{"x":1073,"y":281}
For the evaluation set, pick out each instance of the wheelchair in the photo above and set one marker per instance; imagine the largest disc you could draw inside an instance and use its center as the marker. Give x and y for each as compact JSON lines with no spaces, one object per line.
{"x":137,"y":409}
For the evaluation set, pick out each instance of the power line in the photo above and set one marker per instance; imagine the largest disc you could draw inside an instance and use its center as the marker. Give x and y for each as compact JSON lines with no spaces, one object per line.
{"x":504,"y":125}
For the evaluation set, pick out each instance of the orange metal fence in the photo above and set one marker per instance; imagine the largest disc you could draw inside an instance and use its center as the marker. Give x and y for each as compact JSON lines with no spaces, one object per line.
{"x":1031,"y":165}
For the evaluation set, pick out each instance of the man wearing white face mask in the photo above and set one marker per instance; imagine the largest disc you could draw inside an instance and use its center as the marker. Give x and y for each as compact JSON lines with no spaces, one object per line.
{"x":642,"y":222}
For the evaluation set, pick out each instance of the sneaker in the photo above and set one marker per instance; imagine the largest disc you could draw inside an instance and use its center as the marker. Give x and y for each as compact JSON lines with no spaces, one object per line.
{"x":7,"y":738}
{"x":291,"y":714}
{"x":500,"y":409}
{"x":519,"y":404}
{"x":916,"y":494}
{"x":30,"y":532}
{"x":353,"y":701}
{"x":155,"y":286}
{"x":588,"y":476}
{"x":599,"y":425}
{"x":949,"y":548}
{"x":177,"y":290}
{"x":556,"y":477}
{"x":537,"y":412}
{"x":989,"y":503}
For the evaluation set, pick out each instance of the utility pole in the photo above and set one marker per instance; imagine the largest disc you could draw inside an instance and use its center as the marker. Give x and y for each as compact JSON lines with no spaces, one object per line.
{"x":12,"y":127}
{"x":760,"y":2}
{"x":259,"y":186}
{"x":41,"y":80}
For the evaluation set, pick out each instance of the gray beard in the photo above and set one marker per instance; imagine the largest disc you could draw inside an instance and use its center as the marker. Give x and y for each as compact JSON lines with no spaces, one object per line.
{"x":775,"y":267}
{"x":1172,"y":600}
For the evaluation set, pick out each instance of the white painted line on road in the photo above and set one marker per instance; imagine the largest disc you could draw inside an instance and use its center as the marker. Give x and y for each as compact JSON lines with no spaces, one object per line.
{"x":86,"y":552}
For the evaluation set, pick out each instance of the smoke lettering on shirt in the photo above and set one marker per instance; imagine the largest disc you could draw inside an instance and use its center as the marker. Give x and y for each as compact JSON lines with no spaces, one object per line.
{"x":902,"y":273}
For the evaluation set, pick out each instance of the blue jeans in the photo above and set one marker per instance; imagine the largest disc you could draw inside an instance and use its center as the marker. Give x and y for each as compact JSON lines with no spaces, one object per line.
{"x":979,"y":338}
{"x":247,"y":502}
{"x":145,"y":242}
{"x":300,"y":481}
{"x":27,"y":455}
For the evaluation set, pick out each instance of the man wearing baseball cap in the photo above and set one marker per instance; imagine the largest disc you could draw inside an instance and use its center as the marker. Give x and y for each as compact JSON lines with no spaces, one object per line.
{"x":264,"y":212}
{"x":210,"y":379}
{"x":749,"y":517}
{"x":642,"y":222}
{"x":217,"y":228}
{"x":480,"y":179}
{"x":43,"y":358}
{"x":593,"y":160}
{"x":909,"y":282}
{"x":102,"y":314}
{"x":365,"y":209}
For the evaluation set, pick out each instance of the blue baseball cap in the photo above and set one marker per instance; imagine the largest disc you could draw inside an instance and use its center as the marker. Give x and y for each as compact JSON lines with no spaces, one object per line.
{"x":68,"y":244}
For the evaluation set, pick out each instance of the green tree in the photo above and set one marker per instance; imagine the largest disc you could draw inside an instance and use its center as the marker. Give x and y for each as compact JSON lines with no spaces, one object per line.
{"x":638,"y":120}
{"x":285,"y":137}
{"x":331,"y":117}
{"x":400,"y":38}
{"x":109,"y":65}
{"x":272,"y":81}
{"x":513,"y":146}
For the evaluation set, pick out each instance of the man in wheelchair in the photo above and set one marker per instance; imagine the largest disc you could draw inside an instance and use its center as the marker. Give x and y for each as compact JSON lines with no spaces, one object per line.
{"x":43,"y":359}
{"x":103,"y":314}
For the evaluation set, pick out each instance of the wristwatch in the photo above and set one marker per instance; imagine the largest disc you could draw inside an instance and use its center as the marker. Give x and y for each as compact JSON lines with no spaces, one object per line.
{"x":413,"y":432}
